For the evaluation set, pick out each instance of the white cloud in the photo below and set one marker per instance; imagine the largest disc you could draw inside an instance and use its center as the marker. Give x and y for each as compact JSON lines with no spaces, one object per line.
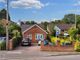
{"x":78,"y":3}
{"x":27,"y":4}
{"x":73,"y":11}
{"x":2,"y":1}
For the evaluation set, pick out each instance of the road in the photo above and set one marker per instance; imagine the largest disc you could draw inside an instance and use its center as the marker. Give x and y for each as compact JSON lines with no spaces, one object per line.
{"x":33,"y":53}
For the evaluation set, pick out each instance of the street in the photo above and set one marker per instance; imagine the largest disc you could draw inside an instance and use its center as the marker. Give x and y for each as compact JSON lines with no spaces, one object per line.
{"x":34,"y":53}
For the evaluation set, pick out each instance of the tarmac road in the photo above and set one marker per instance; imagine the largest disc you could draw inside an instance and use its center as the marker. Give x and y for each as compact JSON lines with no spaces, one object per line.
{"x":34,"y":53}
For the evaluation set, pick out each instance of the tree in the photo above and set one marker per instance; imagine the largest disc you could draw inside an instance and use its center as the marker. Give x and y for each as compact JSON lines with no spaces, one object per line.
{"x":3,"y":14}
{"x":2,"y":30}
{"x":30,"y":22}
{"x":13,"y":26}
{"x":59,"y":21}
{"x":44,"y":25}
{"x":69,"y":18}
{"x":51,"y":28}
{"x":78,"y":21}
{"x":73,"y":33}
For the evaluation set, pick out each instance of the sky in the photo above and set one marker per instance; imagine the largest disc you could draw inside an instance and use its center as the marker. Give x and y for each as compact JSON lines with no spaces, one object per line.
{"x":40,"y":10}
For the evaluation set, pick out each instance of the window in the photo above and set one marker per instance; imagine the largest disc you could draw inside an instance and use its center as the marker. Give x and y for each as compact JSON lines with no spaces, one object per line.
{"x":39,"y":36}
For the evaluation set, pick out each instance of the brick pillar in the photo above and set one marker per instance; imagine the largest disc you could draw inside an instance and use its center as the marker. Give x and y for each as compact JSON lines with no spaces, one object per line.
{"x":10,"y":45}
{"x":33,"y":38}
{"x":58,"y":44}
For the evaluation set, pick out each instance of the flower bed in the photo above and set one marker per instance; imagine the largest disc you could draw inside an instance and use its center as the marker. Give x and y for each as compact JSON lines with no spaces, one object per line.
{"x":57,"y":48}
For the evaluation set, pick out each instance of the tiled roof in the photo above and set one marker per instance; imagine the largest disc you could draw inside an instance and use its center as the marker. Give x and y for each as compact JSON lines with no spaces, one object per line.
{"x":26,"y":26}
{"x":64,"y":26}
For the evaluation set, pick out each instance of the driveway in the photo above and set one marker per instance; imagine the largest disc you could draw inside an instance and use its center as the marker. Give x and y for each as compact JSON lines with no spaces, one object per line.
{"x":23,"y":52}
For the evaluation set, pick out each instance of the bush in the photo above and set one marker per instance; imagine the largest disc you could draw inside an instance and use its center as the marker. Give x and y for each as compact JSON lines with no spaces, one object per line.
{"x":48,"y":38}
{"x":77,"y":46}
{"x":3,"y":45}
{"x":62,"y":42}
{"x":16,"y":41}
{"x":54,"y":44}
{"x":54,"y":40}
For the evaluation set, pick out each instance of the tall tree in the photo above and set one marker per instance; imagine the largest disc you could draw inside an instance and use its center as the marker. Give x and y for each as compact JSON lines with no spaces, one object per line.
{"x":44,"y":24}
{"x":3,"y":14}
{"x":69,"y":18}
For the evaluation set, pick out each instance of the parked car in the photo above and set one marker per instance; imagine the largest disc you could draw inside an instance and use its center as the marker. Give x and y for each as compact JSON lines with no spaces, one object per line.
{"x":26,"y":42}
{"x":2,"y":38}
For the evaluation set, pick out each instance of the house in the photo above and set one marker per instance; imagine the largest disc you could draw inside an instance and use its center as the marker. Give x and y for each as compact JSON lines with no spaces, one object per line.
{"x":34,"y":32}
{"x":61,"y":28}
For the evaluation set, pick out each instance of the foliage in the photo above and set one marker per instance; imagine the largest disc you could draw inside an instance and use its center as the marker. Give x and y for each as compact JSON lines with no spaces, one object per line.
{"x":63,"y":41}
{"x":73,"y":33}
{"x":2,"y":30}
{"x":48,"y":38}
{"x":59,"y":22}
{"x":14,"y":29}
{"x":16,"y":41}
{"x":2,"y":45}
{"x":78,"y":19}
{"x":61,"y":36}
{"x":3,"y":14}
{"x":77,"y":46}
{"x":28,"y":22}
{"x":54,"y":40}
{"x":50,"y":29}
{"x":44,"y":24}
{"x":69,"y":18}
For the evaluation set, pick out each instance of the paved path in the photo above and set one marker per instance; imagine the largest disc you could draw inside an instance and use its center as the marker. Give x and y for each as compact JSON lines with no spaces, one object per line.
{"x":33,"y":53}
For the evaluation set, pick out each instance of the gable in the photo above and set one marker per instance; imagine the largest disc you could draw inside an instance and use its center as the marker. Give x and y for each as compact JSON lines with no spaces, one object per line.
{"x":35,"y":26}
{"x":56,"y":28}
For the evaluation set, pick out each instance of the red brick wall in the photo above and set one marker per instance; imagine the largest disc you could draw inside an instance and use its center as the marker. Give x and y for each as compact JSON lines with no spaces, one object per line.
{"x":33,"y":31}
{"x":57,"y":48}
{"x":10,"y":44}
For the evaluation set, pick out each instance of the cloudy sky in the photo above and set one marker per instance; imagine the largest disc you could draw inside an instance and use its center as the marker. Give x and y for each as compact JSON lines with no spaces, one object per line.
{"x":40,"y":10}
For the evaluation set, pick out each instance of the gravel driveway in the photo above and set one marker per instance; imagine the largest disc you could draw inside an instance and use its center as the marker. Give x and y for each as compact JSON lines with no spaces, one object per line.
{"x":22,"y":53}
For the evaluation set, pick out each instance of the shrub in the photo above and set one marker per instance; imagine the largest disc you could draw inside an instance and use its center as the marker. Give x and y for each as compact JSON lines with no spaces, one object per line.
{"x":54,"y":40}
{"x":53,"y":43}
{"x":48,"y":38}
{"x":68,"y":43}
{"x":77,"y":46}
{"x":16,"y":41}
{"x":62,"y":42}
{"x":3,"y":45}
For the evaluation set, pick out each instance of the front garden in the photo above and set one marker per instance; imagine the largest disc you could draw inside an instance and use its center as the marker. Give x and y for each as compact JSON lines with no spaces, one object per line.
{"x":15,"y":37}
{"x":70,"y":42}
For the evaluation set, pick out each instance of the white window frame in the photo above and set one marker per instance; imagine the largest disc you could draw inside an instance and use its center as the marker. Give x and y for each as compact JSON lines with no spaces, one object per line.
{"x":39,"y":36}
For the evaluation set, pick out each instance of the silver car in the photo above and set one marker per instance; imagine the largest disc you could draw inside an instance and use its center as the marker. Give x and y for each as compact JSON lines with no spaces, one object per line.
{"x":26,"y":42}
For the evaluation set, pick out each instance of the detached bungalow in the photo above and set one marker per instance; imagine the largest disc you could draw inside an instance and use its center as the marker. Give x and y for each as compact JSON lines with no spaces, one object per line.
{"x":34,"y":32}
{"x":62,"y":28}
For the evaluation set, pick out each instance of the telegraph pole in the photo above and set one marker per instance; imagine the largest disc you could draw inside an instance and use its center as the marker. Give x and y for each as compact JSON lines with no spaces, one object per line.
{"x":75,"y":20}
{"x":7,"y":18}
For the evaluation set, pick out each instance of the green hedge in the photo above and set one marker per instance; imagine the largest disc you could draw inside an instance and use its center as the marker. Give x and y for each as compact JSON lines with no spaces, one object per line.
{"x":78,"y":48}
{"x":3,"y":45}
{"x":16,"y":41}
